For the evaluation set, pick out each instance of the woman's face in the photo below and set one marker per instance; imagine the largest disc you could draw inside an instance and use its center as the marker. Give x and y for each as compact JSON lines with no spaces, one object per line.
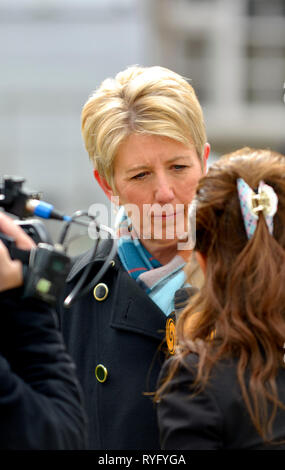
{"x":155,"y":179}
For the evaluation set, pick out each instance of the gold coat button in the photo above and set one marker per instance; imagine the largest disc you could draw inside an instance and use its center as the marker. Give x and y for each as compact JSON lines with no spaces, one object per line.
{"x":100,"y":291}
{"x":101,"y":373}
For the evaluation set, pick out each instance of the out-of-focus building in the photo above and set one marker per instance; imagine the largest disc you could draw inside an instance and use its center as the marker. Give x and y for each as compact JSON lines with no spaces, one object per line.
{"x":234,"y":53}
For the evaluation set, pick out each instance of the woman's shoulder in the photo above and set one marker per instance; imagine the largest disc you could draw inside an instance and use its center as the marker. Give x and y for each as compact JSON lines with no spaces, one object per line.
{"x":222,"y":383}
{"x":191,"y":360}
{"x":222,"y":377}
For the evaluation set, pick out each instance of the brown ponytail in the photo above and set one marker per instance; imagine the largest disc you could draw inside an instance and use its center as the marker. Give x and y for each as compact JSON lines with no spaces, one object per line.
{"x":242,"y":303}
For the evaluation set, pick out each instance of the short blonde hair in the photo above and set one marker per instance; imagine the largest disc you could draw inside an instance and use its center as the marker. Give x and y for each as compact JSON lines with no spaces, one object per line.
{"x":140,"y":100}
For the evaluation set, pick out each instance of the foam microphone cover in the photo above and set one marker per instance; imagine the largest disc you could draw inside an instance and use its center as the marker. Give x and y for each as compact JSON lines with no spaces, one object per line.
{"x":182,"y":297}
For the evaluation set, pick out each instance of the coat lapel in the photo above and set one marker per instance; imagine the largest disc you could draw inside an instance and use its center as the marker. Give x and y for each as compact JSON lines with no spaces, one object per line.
{"x":134,"y":310}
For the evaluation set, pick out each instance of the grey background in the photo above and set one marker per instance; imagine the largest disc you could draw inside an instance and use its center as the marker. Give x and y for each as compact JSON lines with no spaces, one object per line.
{"x":55,"y":53}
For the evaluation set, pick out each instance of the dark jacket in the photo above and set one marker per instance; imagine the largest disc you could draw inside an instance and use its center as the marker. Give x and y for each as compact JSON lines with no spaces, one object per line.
{"x":40,"y":398}
{"x":216,"y":418}
{"x":123,"y":333}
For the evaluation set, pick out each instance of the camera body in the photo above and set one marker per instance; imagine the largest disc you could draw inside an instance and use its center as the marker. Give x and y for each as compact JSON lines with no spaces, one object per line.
{"x":45,"y":267}
{"x":36,"y":229}
{"x":48,"y":269}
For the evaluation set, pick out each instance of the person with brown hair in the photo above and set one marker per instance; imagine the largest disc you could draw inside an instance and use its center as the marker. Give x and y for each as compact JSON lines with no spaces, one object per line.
{"x":224,"y":388}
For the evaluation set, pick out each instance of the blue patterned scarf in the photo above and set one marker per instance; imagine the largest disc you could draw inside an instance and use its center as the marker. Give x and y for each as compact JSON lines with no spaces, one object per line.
{"x":159,"y":281}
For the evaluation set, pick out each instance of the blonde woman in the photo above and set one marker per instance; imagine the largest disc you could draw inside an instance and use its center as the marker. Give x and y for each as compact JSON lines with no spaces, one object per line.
{"x":144,"y":133}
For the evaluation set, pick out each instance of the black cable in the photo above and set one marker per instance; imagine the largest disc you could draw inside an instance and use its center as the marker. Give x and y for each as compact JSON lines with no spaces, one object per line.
{"x":70,"y":299}
{"x":73,"y":220}
{"x":101,"y":271}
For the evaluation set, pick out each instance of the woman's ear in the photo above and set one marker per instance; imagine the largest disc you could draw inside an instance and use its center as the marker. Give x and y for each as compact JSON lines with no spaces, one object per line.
{"x":103,"y":184}
{"x":206,"y":154}
{"x":202,"y":260}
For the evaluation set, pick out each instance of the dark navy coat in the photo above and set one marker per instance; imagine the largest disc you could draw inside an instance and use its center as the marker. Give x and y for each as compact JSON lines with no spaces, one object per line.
{"x":40,"y":398}
{"x":215,"y":418}
{"x":122,"y":332}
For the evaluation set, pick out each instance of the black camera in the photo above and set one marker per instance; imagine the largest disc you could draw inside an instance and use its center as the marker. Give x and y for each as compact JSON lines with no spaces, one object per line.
{"x":45,"y":267}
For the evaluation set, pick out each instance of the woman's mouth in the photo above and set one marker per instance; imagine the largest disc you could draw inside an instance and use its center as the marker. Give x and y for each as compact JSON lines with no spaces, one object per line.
{"x":167,"y":216}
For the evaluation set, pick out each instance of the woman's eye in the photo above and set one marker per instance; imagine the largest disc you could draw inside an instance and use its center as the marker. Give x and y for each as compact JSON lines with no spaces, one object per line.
{"x":139,"y":176}
{"x":179,"y":167}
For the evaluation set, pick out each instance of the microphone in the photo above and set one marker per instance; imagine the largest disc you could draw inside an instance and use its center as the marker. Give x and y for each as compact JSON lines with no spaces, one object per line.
{"x":22,"y":203}
{"x":181,"y":298}
{"x":45,"y":210}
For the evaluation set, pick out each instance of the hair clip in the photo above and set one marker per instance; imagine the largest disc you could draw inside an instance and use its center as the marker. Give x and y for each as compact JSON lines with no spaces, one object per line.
{"x":252,"y":203}
{"x":265,"y":200}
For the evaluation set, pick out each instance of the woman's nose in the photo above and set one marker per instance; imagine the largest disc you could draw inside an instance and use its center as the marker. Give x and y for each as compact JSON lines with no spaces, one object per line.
{"x":164,"y":191}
